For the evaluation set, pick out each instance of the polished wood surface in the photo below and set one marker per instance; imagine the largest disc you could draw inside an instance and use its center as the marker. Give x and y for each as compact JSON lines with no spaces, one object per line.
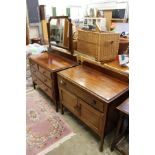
{"x":115,"y":66}
{"x":83,"y":94}
{"x":52,"y":62}
{"x":124,"y":107}
{"x":102,"y":85}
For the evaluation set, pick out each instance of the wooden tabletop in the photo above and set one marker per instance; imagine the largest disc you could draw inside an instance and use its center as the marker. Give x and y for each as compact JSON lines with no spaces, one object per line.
{"x":98,"y":83}
{"x":124,"y":107}
{"x":52,"y":61}
{"x":115,"y":66}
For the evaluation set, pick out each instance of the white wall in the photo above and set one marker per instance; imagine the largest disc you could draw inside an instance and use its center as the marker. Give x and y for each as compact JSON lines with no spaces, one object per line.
{"x":61,"y":5}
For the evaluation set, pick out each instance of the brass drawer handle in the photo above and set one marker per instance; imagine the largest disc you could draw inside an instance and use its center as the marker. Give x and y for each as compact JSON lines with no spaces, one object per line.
{"x":62,"y":82}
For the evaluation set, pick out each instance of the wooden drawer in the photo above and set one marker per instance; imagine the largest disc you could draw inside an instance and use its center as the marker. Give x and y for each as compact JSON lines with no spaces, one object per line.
{"x":68,"y":100}
{"x":33,"y":64}
{"x":87,"y":97}
{"x":45,"y":72}
{"x":93,"y":118}
{"x":34,"y":78}
{"x":33,"y":70}
{"x":47,"y":90}
{"x":44,"y":79}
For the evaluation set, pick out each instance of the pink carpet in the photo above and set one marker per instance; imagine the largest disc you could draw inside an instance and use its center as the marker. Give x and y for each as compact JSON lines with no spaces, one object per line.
{"x":45,"y":129}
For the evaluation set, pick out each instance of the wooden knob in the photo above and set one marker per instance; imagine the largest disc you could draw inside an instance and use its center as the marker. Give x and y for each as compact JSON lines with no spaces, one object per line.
{"x":62,"y":82}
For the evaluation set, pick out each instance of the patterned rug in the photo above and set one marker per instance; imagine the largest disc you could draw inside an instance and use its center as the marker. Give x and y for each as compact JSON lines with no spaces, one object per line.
{"x":46,"y":129}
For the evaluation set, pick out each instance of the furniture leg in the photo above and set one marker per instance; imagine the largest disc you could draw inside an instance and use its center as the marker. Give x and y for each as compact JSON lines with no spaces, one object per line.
{"x":34,"y":85}
{"x":57,"y":106}
{"x":117,"y":133}
{"x":101,"y":144}
{"x":62,"y":108}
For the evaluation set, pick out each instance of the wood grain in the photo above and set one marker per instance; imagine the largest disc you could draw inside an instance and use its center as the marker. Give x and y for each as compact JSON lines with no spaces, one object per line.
{"x":100,"y":84}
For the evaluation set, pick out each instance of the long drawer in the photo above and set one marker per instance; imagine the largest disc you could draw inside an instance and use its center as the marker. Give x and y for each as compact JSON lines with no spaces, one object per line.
{"x":44,"y":79}
{"x":93,"y":101}
{"x":45,"y":72}
{"x":33,"y":65}
{"x":47,"y":90}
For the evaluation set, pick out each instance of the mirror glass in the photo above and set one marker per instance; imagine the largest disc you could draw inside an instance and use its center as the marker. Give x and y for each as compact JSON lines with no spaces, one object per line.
{"x":59,"y":32}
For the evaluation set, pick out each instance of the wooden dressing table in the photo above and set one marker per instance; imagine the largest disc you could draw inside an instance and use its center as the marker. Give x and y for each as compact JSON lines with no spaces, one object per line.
{"x":92,"y":93}
{"x":44,"y":68}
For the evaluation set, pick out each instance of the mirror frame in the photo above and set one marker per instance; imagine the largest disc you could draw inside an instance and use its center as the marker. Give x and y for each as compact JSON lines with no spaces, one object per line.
{"x":70,"y":48}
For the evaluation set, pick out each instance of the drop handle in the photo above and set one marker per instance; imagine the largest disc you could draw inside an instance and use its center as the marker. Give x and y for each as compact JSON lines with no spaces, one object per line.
{"x":94,"y":102}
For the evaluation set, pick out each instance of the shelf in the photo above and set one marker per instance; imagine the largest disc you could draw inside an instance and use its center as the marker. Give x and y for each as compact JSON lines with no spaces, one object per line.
{"x":117,"y":19}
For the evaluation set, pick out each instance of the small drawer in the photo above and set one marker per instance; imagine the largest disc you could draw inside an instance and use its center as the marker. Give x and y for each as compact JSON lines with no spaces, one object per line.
{"x":45,"y":72}
{"x":44,"y":79}
{"x":81,"y":93}
{"x":33,"y":70}
{"x":36,"y":80}
{"x":47,"y":90}
{"x":34,"y":65}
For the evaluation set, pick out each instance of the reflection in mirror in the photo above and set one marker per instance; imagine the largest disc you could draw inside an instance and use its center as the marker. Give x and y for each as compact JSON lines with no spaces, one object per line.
{"x":59,"y":32}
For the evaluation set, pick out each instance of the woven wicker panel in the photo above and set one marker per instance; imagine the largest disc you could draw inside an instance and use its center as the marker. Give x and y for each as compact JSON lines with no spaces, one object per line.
{"x":108,"y":46}
{"x":102,"y":46}
{"x":88,"y":36}
{"x":87,"y":48}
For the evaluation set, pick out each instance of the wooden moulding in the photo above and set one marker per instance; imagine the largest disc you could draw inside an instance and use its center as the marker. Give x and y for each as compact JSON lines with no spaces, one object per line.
{"x":102,"y":46}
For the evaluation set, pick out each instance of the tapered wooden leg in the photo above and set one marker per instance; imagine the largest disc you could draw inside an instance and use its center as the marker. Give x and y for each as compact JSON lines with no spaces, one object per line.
{"x":56,"y":106}
{"x":62,"y":108}
{"x":101,"y":144}
{"x":34,"y":85}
